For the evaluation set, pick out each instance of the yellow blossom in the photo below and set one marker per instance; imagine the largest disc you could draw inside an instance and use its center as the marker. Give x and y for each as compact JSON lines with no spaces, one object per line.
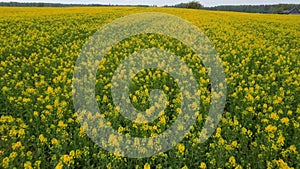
{"x":271,"y":128}
{"x":274,"y":116}
{"x":232,"y":161}
{"x":35,"y":113}
{"x":293,"y":148}
{"x":234,"y":144}
{"x":180,"y":148}
{"x":61,"y":124}
{"x":42,"y":138}
{"x":59,"y":166}
{"x":54,"y":141}
{"x":147,"y":166}
{"x":27,"y":165}
{"x":72,"y":153}
{"x":5,"y":162}
{"x":17,"y":145}
{"x":285,"y":121}
{"x":202,"y":165}
{"x":66,"y":158}
{"x":280,"y":140}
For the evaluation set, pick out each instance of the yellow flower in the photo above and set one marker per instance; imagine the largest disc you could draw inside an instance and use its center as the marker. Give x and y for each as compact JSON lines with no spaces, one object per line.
{"x":235,"y":121}
{"x":26,"y":100}
{"x":19,"y":84}
{"x":281,"y":164}
{"x":105,"y":98}
{"x":5,"y":162}
{"x":270,"y":108}
{"x":21,"y":132}
{"x":50,"y":90}
{"x":150,"y":143}
{"x":120,"y":129}
{"x":59,"y":166}
{"x":42,"y":138}
{"x":49,"y":107}
{"x":278,"y":100}
{"x":228,"y":147}
{"x":271,"y":128}
{"x":37,"y":164}
{"x":13,"y":155}
{"x":180,"y":127}
{"x":178,"y":110}
{"x":274,"y":116}
{"x":5,"y":89}
{"x":285,"y":121}
{"x":72,"y":153}
{"x":202,"y":165}
{"x":238,"y":167}
{"x":35,"y":113}
{"x":27,"y":165}
{"x":244,"y":130}
{"x":269,"y":165}
{"x":232,"y":161}
{"x":185,"y":167}
{"x":17,"y":145}
{"x":292,"y":148}
{"x":265,"y":106}
{"x":54,"y":141}
{"x":134,"y":99}
{"x":61,"y":124}
{"x":78,"y":154}
{"x":275,"y":147}
{"x":147,"y":166}
{"x":280,"y":140}
{"x":180,"y":148}
{"x":163,"y":120}
{"x":66,"y":158}
{"x":249,"y":132}
{"x":221,"y":141}
{"x":3,"y":63}
{"x":234,"y":144}
{"x":113,"y":140}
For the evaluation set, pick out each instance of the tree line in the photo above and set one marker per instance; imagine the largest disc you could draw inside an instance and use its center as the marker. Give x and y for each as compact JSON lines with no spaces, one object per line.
{"x":256,"y":8}
{"x":278,"y":8}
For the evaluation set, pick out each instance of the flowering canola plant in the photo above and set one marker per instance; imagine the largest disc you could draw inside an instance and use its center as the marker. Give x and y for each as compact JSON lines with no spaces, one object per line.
{"x":40,"y":129}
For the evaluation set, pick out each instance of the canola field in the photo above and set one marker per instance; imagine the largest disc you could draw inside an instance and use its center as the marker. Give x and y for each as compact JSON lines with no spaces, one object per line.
{"x":39,"y":128}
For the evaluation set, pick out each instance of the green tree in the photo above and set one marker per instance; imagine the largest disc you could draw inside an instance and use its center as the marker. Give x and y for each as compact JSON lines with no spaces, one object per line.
{"x":191,"y":5}
{"x":194,"y":5}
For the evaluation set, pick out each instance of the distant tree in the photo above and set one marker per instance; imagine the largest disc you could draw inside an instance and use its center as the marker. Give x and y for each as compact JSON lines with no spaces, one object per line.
{"x":191,"y":5}
{"x":194,"y":5}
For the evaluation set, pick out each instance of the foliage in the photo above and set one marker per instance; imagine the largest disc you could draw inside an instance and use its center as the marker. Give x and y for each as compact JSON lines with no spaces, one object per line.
{"x":191,"y":5}
{"x":256,"y":8}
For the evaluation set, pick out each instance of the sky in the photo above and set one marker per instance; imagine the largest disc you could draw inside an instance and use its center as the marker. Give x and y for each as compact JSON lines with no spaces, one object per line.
{"x":206,"y":3}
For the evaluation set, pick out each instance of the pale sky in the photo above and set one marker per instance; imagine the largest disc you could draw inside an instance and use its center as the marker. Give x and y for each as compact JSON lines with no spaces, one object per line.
{"x":164,"y":2}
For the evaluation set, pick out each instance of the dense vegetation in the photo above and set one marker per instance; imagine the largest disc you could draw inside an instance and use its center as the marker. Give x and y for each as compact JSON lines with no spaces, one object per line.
{"x":256,"y":8}
{"x":260,"y":126}
{"x":191,"y":5}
